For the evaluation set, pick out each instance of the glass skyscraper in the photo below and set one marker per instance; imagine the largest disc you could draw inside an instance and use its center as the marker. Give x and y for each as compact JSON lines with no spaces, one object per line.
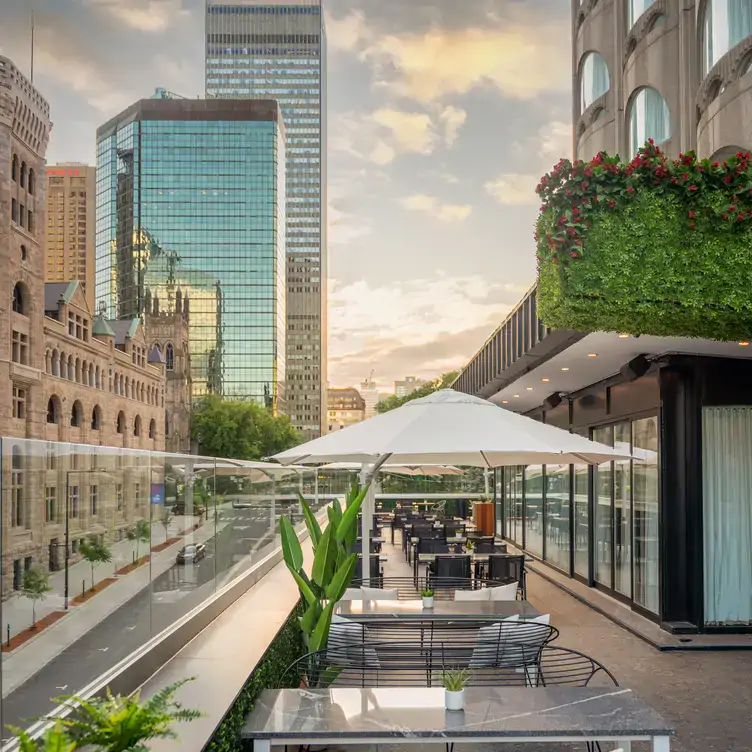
{"x":191,"y":200}
{"x":276,"y":49}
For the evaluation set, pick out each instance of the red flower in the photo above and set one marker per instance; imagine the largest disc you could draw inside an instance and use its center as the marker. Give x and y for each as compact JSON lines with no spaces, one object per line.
{"x":685,"y":176}
{"x":555,"y":260}
{"x":692,"y":188}
{"x":725,"y":217}
{"x":740,"y":217}
{"x":573,"y":254}
{"x":651,"y":142}
{"x":583,"y":186}
{"x":568,"y":192}
{"x":716,"y":164}
{"x":612,"y":203}
{"x":630,"y":189}
{"x":732,"y":208}
{"x":727,"y":179}
{"x":692,"y":215}
{"x":543,"y":207}
{"x":691,"y":225}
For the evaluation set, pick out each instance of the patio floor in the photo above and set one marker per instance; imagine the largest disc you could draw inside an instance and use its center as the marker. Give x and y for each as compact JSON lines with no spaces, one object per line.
{"x":707,"y":695}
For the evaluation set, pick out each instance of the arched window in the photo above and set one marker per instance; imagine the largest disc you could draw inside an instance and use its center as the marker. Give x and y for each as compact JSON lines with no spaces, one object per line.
{"x":77,"y":414}
{"x":96,"y":418}
{"x":648,"y":118}
{"x":97,"y":378}
{"x":20,"y":299}
{"x":53,"y":409}
{"x":137,"y":426}
{"x":31,"y":181}
{"x":71,"y":368}
{"x":55,"y":362}
{"x":47,"y":361}
{"x":169,"y":356}
{"x":122,"y":386}
{"x":78,"y":371}
{"x":22,"y":182}
{"x":120,"y":425}
{"x":658,"y":21}
{"x":724,"y":24}
{"x":152,"y":429}
{"x":594,"y":79}
{"x":14,"y":168}
{"x":636,"y":9}
{"x":24,"y":252}
{"x":128,"y":392}
{"x":91,"y":375}
{"x":166,"y":425}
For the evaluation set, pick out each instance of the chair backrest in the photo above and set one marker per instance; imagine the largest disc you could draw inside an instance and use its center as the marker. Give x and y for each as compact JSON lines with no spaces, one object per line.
{"x":506,"y":567}
{"x":453,"y":566}
{"x":484,"y":547}
{"x":375,"y":569}
{"x":451,"y":529}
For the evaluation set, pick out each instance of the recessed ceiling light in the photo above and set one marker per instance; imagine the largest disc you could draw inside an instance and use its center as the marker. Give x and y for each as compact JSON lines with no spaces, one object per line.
{"x":565,"y":369}
{"x":744,"y":344}
{"x":516,"y":396}
{"x":623,"y":336}
{"x":505,"y":402}
{"x":592,"y":355}
{"x":545,"y":381}
{"x":530,"y":389}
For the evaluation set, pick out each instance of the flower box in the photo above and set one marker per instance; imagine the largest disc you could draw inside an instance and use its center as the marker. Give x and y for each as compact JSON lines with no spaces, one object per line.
{"x":655,"y":246}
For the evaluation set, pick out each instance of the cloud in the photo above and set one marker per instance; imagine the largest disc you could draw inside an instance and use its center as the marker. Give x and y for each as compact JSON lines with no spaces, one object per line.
{"x":143,"y":15}
{"x":433,"y":206}
{"x":548,"y":145}
{"x":345,"y":227}
{"x":514,"y":189}
{"x":420,"y":326}
{"x":515,"y":57}
{"x":347,"y":33}
{"x":380,"y":136}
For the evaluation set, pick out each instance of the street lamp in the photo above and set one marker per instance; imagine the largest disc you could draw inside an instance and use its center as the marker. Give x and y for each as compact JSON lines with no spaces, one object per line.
{"x":68,"y":474}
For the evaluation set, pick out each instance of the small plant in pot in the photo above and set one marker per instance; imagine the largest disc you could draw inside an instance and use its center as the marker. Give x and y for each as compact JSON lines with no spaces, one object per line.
{"x":427,"y":596}
{"x":455,"y":681}
{"x":470,"y":546}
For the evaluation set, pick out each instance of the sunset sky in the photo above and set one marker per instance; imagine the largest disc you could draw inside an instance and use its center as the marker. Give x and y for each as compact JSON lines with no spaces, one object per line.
{"x":443,"y":114}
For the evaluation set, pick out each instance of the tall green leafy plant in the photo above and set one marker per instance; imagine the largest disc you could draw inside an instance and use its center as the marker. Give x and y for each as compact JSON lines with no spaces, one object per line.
{"x":95,"y":552}
{"x":333,"y":562}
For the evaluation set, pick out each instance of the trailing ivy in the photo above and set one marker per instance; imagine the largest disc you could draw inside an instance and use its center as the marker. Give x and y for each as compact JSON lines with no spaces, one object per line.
{"x":284,"y":650}
{"x":655,"y":246}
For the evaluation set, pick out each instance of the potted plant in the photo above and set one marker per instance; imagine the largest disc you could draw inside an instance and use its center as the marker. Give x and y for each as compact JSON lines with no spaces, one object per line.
{"x":454,"y":681}
{"x":427,"y":596}
{"x":470,"y":546}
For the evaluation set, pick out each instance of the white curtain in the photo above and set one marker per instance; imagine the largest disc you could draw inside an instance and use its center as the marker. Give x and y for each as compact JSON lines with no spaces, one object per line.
{"x":595,"y":81}
{"x":726,"y":23}
{"x":727,"y":514}
{"x":648,"y":118}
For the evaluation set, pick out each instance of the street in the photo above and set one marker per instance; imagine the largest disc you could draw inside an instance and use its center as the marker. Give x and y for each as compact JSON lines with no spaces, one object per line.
{"x":171,"y":596}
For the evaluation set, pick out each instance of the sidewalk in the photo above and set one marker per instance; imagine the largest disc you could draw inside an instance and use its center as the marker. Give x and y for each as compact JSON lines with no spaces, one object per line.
{"x":16,"y":610}
{"x":33,"y":655}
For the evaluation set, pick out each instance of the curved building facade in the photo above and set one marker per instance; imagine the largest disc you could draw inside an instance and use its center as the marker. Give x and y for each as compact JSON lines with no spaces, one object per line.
{"x":677,"y":71}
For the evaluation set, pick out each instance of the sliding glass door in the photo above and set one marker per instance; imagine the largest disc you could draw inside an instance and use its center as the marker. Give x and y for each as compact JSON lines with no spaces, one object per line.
{"x":645,"y":491}
{"x":603,"y":522}
{"x":623,"y":512}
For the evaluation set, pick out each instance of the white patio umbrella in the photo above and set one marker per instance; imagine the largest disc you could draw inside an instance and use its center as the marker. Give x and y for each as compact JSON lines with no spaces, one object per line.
{"x":397,"y":469}
{"x":448,"y":427}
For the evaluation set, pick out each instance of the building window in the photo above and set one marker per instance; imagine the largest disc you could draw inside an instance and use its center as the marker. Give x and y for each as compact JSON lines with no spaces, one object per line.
{"x":20,"y":348}
{"x":17,"y":488}
{"x":96,"y":418}
{"x":152,"y":429}
{"x":51,"y":456}
{"x":24,"y":252}
{"x":594,"y":79}
{"x":14,"y":210}
{"x":725,"y":23}
{"x":121,"y":422}
{"x":93,"y":500}
{"x":137,"y":493}
{"x":169,"y":357}
{"x":53,"y":410}
{"x":14,"y":168}
{"x":137,"y":426}
{"x":32,"y":182}
{"x":166,"y":425}
{"x":645,"y":497}
{"x":19,"y":403}
{"x":636,"y":9}
{"x":76,"y":414}
{"x":22,"y":182}
{"x":50,"y":504}
{"x":73,"y":500}
{"x":648,"y":118}
{"x":20,"y":299}
{"x":119,"y":497}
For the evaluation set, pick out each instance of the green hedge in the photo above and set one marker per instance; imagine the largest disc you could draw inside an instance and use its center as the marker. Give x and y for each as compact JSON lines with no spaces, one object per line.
{"x":286,"y":648}
{"x":623,"y":251}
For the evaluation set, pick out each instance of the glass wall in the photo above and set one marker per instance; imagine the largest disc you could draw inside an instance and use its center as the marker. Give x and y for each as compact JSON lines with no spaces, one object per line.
{"x":557,"y":516}
{"x":622,"y":512}
{"x":168,"y":532}
{"x":603,"y":521}
{"x":534,"y":509}
{"x":581,"y":521}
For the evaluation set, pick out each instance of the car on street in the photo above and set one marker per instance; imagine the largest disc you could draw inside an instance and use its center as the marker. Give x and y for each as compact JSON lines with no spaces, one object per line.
{"x":191,"y":553}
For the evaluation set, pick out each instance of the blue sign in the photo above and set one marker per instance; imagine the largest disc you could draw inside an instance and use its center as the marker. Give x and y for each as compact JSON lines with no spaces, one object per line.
{"x":157,"y":493}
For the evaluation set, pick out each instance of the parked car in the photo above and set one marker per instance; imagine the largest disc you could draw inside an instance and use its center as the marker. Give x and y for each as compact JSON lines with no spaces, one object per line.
{"x":198,"y":510}
{"x":193,"y":552}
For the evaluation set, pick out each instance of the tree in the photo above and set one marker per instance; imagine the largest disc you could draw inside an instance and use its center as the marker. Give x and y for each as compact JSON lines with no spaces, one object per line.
{"x":95,"y":552}
{"x":53,"y":740}
{"x":240,"y":430}
{"x":35,"y":586}
{"x":165,"y":519}
{"x":122,"y":724}
{"x":139,"y":534}
{"x":392,"y":402}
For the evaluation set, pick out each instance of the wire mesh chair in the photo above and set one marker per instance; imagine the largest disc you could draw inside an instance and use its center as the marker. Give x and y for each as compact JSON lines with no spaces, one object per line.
{"x":508,"y":568}
{"x":410,"y":588}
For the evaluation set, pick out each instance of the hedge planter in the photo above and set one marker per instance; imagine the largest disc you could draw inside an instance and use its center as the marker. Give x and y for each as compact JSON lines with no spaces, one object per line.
{"x":651,"y":247}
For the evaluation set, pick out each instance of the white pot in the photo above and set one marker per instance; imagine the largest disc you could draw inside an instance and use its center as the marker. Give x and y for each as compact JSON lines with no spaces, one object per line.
{"x":427,"y":601}
{"x":454,"y":700}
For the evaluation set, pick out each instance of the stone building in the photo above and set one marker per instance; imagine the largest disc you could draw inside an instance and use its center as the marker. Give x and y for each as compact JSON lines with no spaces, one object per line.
{"x":345,"y":407}
{"x":68,"y":375}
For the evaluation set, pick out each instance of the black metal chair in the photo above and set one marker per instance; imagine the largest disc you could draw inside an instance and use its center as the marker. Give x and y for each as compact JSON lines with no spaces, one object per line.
{"x":410,"y":588}
{"x":376,"y":575}
{"x":450,"y":567}
{"x":508,"y":568}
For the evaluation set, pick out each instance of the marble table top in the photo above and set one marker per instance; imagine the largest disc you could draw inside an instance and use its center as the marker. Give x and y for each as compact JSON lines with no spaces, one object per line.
{"x":410,"y":712}
{"x":442,"y":610}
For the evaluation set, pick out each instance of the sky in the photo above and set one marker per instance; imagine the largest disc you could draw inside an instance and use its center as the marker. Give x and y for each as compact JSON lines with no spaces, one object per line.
{"x":442,"y":116}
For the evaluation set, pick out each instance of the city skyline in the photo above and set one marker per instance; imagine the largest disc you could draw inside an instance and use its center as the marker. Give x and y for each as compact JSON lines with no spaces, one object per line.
{"x":419,"y":160}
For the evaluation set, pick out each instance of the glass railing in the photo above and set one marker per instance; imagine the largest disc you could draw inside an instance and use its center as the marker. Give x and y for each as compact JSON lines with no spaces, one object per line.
{"x":149,"y":537}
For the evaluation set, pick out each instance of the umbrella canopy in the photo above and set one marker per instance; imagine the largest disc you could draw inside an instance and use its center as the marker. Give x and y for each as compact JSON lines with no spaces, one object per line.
{"x":398,"y":469}
{"x":449,"y":427}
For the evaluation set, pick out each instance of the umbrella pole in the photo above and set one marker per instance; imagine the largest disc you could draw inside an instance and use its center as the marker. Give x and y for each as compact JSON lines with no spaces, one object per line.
{"x":367,"y":521}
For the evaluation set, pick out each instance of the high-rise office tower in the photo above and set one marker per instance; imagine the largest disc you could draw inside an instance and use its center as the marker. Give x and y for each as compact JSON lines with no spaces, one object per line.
{"x":69,"y":235}
{"x":191,"y":203}
{"x":277,"y":49}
